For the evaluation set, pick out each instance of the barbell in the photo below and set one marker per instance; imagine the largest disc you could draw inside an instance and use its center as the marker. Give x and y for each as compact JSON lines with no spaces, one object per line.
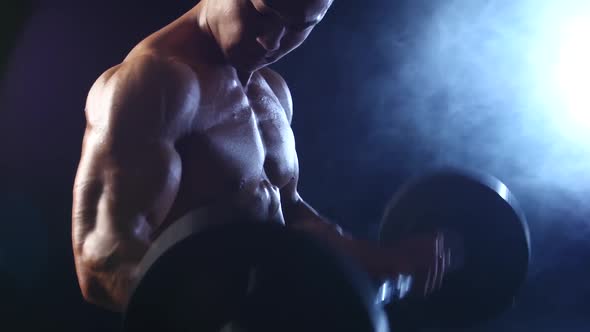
{"x":246,"y":276}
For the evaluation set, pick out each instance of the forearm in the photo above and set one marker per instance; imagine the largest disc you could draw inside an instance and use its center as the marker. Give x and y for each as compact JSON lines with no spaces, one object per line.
{"x":368,"y":255}
{"x":106,"y":253}
{"x":298,"y":213}
{"x":108,"y":288}
{"x":106,"y":266}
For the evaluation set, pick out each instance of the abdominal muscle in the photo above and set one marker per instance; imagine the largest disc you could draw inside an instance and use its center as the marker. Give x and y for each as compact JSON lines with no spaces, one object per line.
{"x":256,"y":200}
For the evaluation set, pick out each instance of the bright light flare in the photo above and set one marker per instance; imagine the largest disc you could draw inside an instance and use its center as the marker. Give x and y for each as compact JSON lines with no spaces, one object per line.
{"x":573,"y":70}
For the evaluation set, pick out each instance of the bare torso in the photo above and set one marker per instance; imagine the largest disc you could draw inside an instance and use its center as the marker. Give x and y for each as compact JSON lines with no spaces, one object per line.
{"x":174,"y":129}
{"x":240,"y":152}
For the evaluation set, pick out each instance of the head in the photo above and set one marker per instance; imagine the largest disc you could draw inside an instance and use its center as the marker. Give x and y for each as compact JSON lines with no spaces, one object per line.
{"x":255,"y":33}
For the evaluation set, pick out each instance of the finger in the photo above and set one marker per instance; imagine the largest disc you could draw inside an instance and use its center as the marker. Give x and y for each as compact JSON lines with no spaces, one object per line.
{"x":428,"y":282}
{"x":440,"y":271}
{"x":441,"y":262}
{"x":436,"y":270}
{"x":432,"y":275}
{"x":418,"y":288}
{"x":455,"y":248}
{"x":448,"y":259}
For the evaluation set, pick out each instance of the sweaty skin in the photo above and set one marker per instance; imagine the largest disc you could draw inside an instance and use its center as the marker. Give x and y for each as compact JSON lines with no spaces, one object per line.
{"x":193,"y":118}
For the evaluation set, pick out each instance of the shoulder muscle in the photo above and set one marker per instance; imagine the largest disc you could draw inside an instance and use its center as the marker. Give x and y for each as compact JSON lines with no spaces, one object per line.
{"x":147,"y":95}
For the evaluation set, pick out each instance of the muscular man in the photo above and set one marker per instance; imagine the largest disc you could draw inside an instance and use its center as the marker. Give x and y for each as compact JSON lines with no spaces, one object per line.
{"x":192,"y":118}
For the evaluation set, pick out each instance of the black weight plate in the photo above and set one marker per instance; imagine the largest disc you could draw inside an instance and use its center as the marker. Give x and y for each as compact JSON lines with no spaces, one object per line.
{"x":496,"y":240}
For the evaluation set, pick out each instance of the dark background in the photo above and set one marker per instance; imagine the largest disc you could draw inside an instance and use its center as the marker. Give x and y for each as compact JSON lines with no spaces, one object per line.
{"x":382,"y":91}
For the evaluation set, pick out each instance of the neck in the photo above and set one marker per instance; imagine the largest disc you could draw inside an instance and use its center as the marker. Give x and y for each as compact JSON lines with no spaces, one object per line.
{"x":200,"y":17}
{"x":244,"y":77}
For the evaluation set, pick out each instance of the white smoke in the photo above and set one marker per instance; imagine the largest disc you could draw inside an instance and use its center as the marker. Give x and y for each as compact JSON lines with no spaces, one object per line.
{"x":480,"y":84}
